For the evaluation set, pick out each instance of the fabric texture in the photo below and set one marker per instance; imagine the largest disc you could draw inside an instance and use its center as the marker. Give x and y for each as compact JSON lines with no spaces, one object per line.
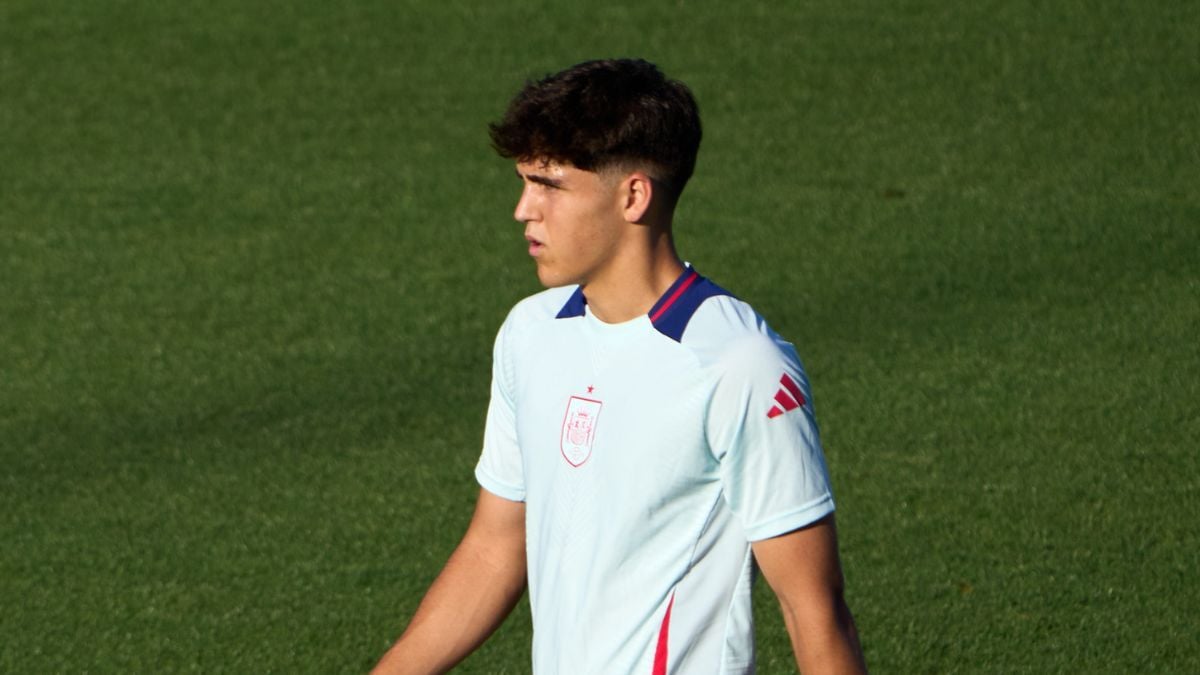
{"x":649,"y":454}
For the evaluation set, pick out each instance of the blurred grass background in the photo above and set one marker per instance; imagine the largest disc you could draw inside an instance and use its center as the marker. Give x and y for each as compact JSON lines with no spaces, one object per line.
{"x":253,"y":255}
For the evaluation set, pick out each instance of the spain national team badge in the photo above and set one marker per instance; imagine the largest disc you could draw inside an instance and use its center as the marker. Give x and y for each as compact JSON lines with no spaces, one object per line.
{"x":579,"y":429}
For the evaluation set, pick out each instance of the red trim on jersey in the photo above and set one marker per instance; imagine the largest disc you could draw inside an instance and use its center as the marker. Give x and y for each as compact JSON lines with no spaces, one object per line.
{"x":792,"y":387}
{"x":660,"y":652}
{"x":675,"y":296}
{"x":774,"y":412}
{"x":786,"y":401}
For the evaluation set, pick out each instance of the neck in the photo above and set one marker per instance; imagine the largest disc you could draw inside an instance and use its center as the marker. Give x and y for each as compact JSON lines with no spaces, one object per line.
{"x":636,"y":281}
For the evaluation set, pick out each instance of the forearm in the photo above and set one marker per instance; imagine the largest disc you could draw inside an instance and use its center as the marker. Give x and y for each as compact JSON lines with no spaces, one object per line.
{"x":827,"y":641}
{"x":480,"y":584}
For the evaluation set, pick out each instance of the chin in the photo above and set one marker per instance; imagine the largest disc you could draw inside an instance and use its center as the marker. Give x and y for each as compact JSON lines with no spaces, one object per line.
{"x":551,"y":280}
{"x":545,"y":278}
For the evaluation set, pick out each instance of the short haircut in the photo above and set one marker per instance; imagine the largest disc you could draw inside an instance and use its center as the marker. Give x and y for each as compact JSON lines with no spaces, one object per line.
{"x":598,"y":115}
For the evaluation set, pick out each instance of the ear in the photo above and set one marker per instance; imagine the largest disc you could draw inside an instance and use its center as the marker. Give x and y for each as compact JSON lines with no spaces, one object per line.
{"x":637,"y":193}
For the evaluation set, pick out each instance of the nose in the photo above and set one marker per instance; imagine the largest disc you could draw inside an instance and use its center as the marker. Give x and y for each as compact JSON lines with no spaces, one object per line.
{"x":526,"y":209}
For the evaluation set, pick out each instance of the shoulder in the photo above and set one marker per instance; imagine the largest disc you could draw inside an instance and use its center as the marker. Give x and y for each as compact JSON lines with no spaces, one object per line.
{"x":544,"y":306}
{"x":728,"y":334}
{"x":526,"y":319}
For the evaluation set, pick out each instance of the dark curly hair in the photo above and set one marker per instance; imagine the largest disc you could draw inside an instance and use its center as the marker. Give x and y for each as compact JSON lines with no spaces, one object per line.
{"x":600,"y":114}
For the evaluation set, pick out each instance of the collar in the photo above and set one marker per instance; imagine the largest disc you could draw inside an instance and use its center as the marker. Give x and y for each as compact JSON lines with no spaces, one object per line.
{"x":673,"y":311}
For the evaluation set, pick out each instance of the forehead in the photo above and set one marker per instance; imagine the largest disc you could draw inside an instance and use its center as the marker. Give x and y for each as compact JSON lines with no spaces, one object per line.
{"x":563,"y":173}
{"x":547,"y":167}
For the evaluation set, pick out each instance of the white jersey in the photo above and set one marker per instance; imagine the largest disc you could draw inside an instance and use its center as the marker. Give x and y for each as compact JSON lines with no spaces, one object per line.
{"x":649,"y":454}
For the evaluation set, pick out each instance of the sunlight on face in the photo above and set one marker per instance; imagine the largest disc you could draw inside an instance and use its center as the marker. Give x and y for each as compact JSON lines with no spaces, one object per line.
{"x":573,"y":221}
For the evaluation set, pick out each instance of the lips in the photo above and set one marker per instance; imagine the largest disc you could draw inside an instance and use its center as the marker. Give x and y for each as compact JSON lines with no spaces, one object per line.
{"x":535,"y":246}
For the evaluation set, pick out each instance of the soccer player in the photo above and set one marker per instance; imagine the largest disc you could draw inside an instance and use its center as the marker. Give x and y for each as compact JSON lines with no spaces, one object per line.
{"x":650,"y":442}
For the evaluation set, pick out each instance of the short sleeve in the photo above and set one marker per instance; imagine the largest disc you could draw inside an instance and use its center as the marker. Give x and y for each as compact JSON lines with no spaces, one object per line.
{"x":499,"y":470}
{"x":762,"y":430}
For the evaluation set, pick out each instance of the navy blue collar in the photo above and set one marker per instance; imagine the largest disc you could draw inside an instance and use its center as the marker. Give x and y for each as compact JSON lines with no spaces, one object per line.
{"x":671,"y":314}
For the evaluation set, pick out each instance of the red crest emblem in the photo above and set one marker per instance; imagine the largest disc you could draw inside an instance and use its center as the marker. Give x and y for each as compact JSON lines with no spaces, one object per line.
{"x":579,"y":429}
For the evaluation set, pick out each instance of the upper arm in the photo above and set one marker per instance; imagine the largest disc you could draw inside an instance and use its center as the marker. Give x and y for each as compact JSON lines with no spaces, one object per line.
{"x":500,"y":468}
{"x":760,"y":424}
{"x":493,"y":546}
{"x":803,"y":568}
{"x":498,"y":521}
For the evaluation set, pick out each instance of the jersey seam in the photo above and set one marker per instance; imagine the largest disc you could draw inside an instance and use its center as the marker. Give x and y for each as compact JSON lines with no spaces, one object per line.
{"x":794,"y":519}
{"x":498,"y":487}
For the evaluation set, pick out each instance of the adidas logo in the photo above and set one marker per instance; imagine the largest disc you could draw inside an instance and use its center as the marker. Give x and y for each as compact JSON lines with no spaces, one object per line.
{"x":789,"y":397}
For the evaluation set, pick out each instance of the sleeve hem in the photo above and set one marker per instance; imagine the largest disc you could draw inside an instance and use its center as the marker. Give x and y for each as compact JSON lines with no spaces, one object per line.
{"x":509,"y":492}
{"x":792,"y":520}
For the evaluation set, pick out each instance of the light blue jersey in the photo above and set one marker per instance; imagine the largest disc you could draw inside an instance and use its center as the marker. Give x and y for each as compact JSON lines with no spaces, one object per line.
{"x":649,"y":454}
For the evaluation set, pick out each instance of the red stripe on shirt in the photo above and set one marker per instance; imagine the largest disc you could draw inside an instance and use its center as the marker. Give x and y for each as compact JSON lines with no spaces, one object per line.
{"x":786,"y":401}
{"x":660,"y":652}
{"x":792,"y":387}
{"x":675,"y":296}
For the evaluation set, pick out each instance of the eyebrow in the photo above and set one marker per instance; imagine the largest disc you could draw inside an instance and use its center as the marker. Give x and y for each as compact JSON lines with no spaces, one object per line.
{"x":540,"y":179}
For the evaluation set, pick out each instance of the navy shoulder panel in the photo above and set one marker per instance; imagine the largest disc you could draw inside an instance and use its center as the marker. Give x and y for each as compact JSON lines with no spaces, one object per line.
{"x":574,"y":307}
{"x":671,"y":314}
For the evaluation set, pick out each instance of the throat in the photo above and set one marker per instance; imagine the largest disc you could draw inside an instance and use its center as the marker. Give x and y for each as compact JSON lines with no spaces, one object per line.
{"x":631,"y":295}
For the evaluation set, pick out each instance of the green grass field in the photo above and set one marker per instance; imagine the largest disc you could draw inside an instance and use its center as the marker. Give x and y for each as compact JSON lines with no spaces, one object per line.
{"x":253,"y":256}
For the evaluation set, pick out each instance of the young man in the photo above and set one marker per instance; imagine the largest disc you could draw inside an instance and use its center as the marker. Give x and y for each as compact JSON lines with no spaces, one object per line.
{"x":650,"y":441}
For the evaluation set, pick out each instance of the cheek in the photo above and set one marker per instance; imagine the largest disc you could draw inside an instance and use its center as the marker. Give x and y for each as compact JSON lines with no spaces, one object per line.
{"x":580,"y":227}
{"x":587,"y":234}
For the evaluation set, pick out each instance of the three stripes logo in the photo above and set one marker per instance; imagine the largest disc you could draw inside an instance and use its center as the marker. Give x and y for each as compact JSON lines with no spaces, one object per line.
{"x":788,"y":398}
